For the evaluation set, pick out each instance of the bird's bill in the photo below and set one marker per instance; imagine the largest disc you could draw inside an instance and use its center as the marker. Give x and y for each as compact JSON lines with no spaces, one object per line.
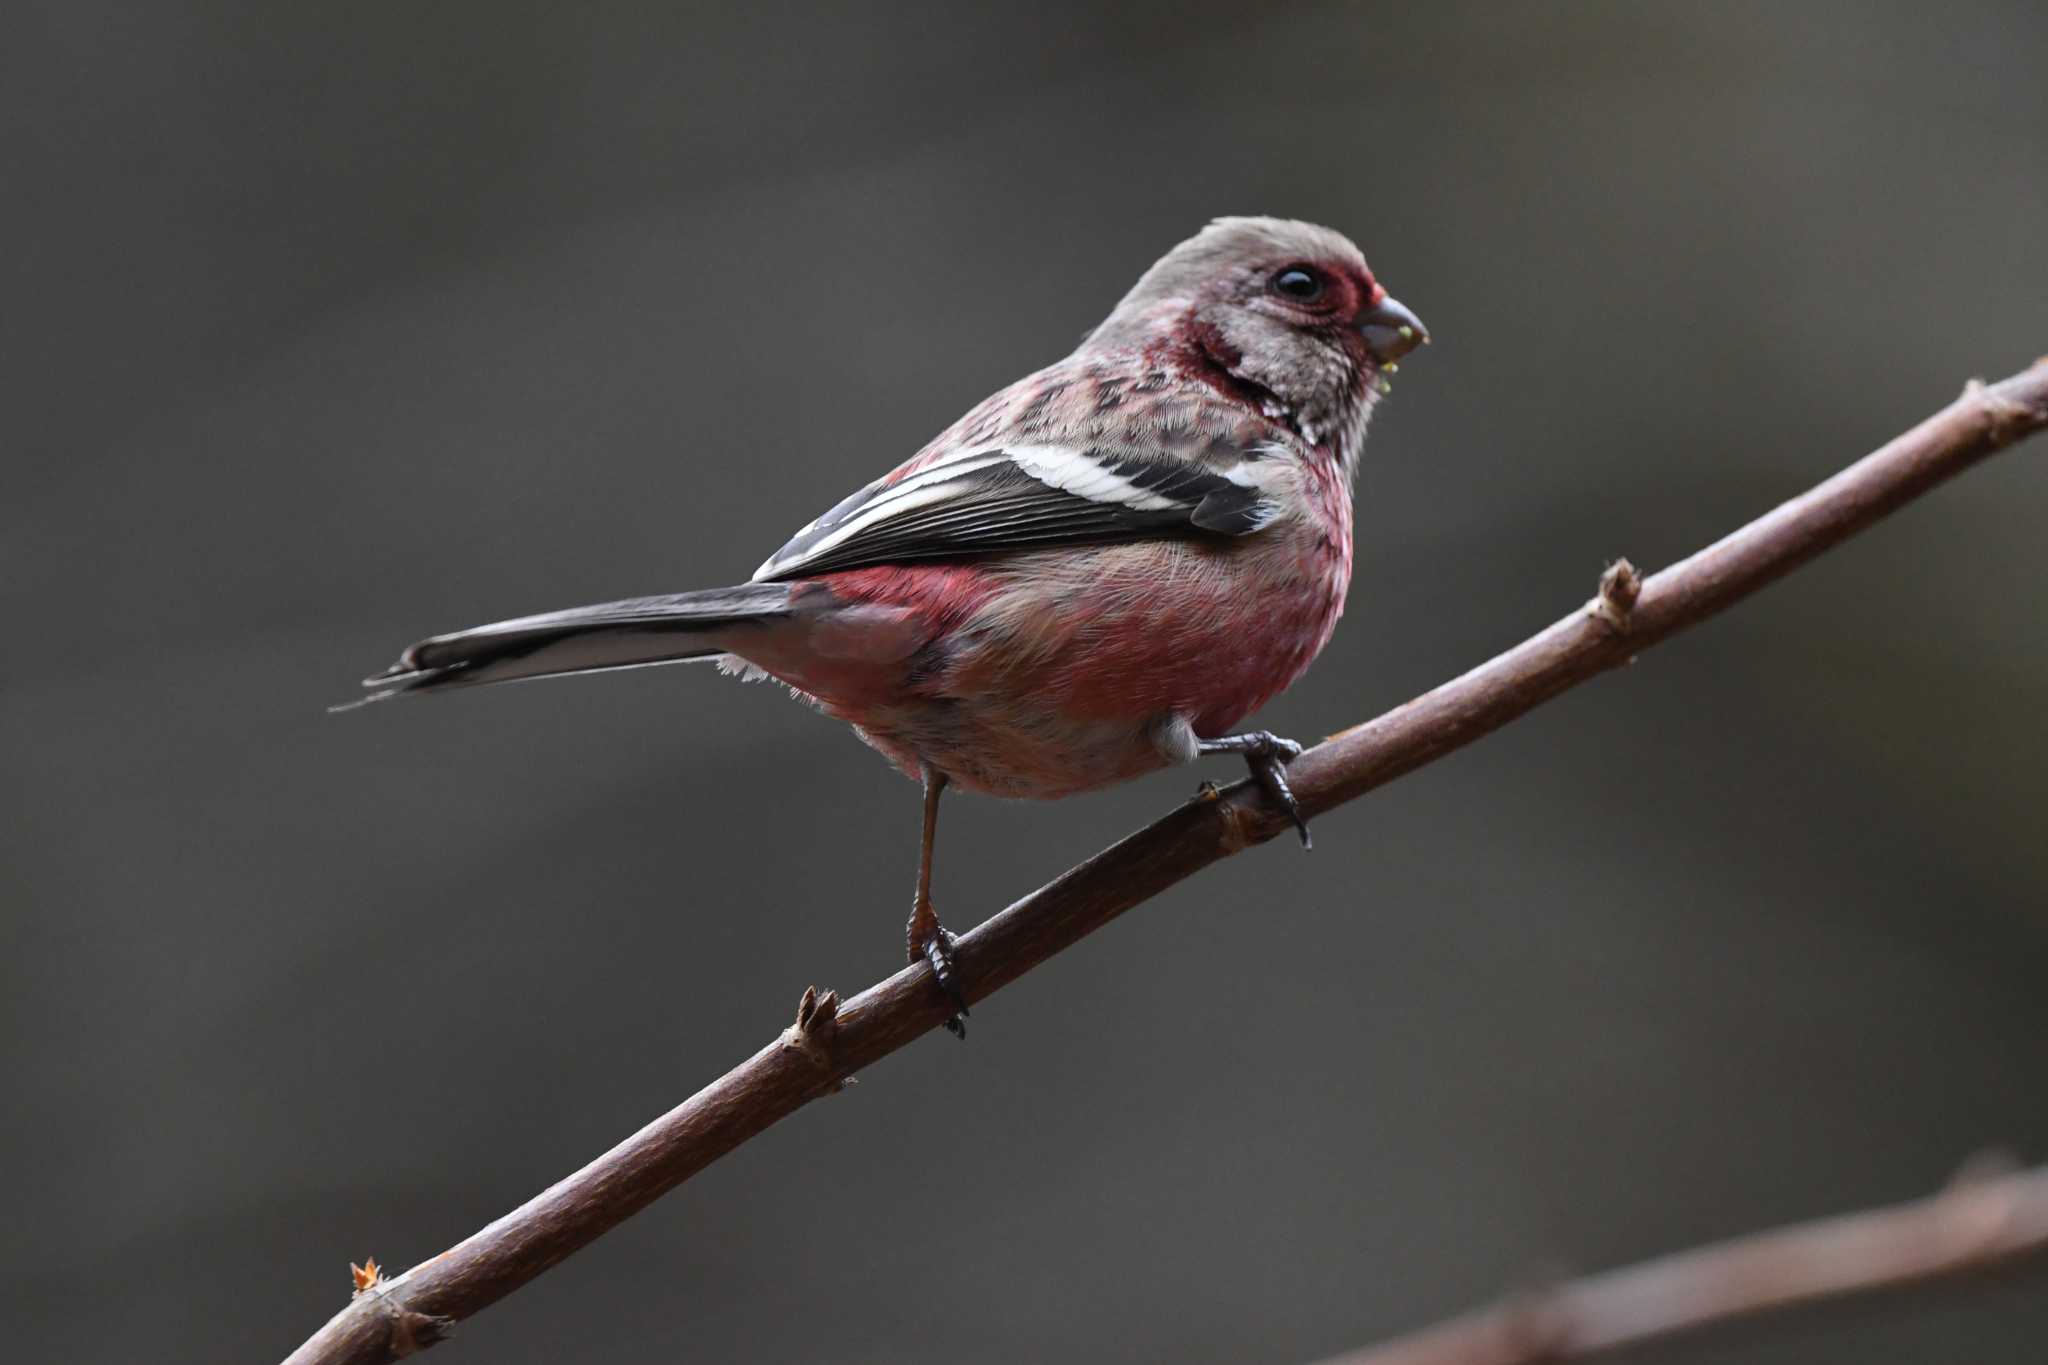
{"x":1391,"y":330}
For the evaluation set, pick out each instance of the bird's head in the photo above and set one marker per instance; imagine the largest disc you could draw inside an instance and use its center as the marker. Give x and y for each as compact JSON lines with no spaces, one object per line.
{"x":1287,"y":311}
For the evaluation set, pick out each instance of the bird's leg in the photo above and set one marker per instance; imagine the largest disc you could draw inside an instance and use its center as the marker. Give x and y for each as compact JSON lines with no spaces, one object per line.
{"x":1267,"y":755}
{"x":926,"y":938}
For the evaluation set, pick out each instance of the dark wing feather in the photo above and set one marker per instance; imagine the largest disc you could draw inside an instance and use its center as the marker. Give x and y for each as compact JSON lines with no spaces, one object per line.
{"x":988,"y":501}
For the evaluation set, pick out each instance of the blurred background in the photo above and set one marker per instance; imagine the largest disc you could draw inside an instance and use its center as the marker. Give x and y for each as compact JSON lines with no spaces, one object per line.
{"x":329,"y":327}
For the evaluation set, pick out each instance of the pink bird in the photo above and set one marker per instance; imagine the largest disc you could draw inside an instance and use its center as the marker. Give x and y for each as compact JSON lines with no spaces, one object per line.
{"x":1098,"y":572}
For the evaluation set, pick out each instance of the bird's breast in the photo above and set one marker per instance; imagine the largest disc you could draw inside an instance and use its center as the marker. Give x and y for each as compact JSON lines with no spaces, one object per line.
{"x":1056,"y":683}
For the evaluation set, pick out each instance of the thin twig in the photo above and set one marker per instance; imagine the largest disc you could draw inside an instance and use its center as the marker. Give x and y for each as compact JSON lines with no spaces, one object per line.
{"x":824,"y":1049}
{"x":1977,"y":1223}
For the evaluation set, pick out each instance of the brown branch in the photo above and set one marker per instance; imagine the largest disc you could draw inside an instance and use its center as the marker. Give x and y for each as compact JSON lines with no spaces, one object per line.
{"x":826,"y":1045}
{"x":1975,"y":1224}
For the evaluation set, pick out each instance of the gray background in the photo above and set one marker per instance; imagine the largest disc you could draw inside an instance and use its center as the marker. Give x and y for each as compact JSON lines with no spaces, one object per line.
{"x":327,"y":327}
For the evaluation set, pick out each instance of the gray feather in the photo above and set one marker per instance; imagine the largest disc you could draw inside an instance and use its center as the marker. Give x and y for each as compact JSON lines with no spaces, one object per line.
{"x":632,"y":633}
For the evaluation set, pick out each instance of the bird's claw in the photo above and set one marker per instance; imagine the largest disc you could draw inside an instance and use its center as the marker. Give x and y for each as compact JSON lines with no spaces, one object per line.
{"x":1267,"y":755}
{"x":938,"y":951}
{"x":1271,"y":771}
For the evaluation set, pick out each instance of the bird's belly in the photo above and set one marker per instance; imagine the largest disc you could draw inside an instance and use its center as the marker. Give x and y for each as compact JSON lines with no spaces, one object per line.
{"x":1001,"y":749}
{"x":1060,"y":682}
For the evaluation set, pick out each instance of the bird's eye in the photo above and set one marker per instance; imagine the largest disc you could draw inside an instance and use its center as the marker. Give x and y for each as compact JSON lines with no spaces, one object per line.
{"x":1298,"y":282}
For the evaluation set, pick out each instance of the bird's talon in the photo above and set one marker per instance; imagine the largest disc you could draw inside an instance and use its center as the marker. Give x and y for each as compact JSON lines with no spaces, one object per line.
{"x":1273,"y":778}
{"x":938,"y":951}
{"x":1267,"y":755}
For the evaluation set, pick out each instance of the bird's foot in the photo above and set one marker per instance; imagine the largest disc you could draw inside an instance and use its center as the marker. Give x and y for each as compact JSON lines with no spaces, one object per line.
{"x":937,"y":949}
{"x":1267,"y":755}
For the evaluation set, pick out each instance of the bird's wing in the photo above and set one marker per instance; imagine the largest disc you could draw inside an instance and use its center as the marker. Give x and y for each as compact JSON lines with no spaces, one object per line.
{"x":1028,"y":497}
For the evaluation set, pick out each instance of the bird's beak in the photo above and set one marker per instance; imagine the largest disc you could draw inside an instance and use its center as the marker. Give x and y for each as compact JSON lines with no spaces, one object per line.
{"x":1390,"y":330}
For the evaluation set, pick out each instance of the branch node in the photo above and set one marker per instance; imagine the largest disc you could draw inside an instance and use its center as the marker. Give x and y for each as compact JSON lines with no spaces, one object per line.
{"x":413,"y":1331}
{"x":1234,"y":833}
{"x":1534,"y":1324}
{"x":1616,"y":604}
{"x":817,"y":1023}
{"x":1993,"y":1163}
{"x":407,"y":1330}
{"x":1980,"y":1207}
{"x":2006,"y":419}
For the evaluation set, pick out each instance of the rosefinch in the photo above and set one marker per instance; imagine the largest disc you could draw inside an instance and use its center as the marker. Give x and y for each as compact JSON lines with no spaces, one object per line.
{"x":1099,"y":571}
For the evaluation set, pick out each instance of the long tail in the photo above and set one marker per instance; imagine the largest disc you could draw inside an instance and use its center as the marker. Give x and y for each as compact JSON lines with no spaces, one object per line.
{"x":629,"y":634}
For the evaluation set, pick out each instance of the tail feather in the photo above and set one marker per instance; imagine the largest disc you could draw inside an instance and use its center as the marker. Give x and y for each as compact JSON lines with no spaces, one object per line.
{"x":633,"y":633}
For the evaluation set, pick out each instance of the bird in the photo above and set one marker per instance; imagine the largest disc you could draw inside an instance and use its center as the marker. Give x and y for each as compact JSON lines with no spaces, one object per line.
{"x":1097,"y":572}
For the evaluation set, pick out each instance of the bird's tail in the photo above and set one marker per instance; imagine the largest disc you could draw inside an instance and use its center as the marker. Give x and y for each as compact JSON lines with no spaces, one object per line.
{"x":630,"y":634}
